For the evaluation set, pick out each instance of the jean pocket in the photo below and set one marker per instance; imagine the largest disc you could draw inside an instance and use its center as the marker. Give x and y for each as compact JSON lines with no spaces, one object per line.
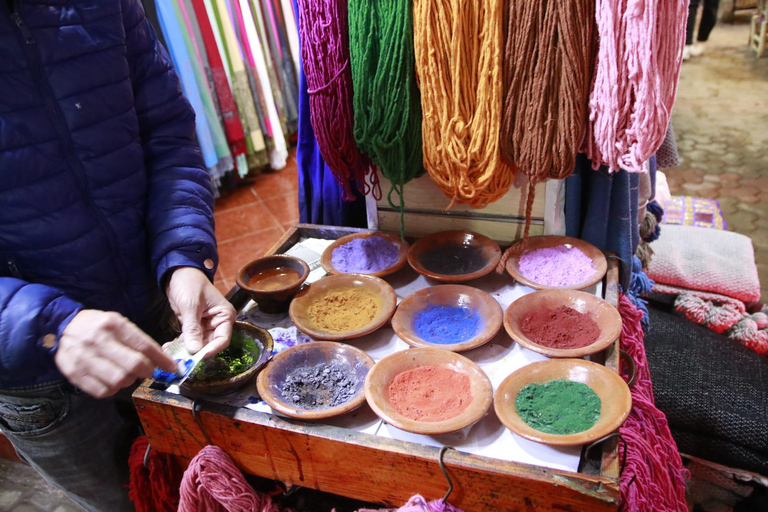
{"x":27,"y":416}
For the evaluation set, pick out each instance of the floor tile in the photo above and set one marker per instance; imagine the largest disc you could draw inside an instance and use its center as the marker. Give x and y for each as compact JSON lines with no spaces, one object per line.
{"x":236,"y":253}
{"x":271,"y":184}
{"x":238,"y":197}
{"x":285,"y":208}
{"x":243,"y":220}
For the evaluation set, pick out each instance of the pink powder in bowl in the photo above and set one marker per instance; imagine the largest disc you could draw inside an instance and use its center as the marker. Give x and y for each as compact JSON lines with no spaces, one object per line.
{"x":560,"y":265}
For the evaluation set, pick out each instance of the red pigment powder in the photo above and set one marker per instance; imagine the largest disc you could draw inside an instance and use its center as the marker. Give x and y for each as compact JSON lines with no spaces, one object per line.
{"x":562,"y":327}
{"x":430,"y":393}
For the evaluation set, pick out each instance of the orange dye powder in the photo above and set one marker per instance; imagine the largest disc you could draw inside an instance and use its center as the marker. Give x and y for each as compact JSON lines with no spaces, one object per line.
{"x":430,"y":393}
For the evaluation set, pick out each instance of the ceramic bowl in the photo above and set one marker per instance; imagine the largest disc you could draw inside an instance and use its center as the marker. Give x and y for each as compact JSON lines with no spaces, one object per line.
{"x":402,"y":255}
{"x":299,"y":309}
{"x":615,"y":398}
{"x":448,"y":295}
{"x":262,"y":340}
{"x":603,"y":314}
{"x":384,"y":372}
{"x":277,"y":300}
{"x":540,"y":242}
{"x":422,"y":254}
{"x":311,"y":354}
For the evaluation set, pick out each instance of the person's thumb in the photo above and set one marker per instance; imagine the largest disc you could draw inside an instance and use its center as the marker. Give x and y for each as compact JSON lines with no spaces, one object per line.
{"x":191,"y":329}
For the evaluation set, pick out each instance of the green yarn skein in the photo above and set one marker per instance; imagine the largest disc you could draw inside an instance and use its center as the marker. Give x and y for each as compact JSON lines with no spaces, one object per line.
{"x":387,"y":103}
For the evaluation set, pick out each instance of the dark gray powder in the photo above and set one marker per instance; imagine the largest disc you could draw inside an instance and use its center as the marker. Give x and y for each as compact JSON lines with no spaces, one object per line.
{"x":319,"y":387}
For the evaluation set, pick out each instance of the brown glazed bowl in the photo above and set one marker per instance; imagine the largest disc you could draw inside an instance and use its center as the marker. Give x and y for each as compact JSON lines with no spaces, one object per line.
{"x":615,"y":398}
{"x":603,"y":314}
{"x":402,"y":255}
{"x":540,"y":242}
{"x":384,"y":372}
{"x":262,"y":340}
{"x":272,"y":301}
{"x":311,"y":354}
{"x":299,"y":308}
{"x":425,"y":248}
{"x":448,"y":295}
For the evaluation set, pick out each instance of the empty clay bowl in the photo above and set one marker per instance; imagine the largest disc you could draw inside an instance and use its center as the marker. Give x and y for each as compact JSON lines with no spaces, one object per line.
{"x":454,"y":256}
{"x":613,"y":392}
{"x":539,"y":242}
{"x":262,"y":342}
{"x":300,"y":307}
{"x":455,"y":295}
{"x":384,"y":372}
{"x":311,"y":354}
{"x":278,"y":296}
{"x":402,"y":255}
{"x":604,"y":315}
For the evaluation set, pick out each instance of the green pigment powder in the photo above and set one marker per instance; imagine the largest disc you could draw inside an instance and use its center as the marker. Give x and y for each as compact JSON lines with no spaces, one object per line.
{"x":558,"y":407}
{"x":232,"y":361}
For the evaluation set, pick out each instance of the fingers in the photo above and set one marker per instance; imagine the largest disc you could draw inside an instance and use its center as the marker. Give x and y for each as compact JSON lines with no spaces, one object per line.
{"x":191,"y":327}
{"x":129,"y":335}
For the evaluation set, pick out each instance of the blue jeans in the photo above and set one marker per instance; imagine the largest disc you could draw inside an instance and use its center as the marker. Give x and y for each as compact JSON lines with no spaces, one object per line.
{"x":76,"y":442}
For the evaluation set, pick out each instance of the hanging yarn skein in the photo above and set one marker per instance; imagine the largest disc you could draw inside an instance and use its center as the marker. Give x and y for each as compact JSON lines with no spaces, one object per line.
{"x":636,"y":76}
{"x":325,"y":53}
{"x":386,"y":98}
{"x":459,"y":47}
{"x":549,"y":58}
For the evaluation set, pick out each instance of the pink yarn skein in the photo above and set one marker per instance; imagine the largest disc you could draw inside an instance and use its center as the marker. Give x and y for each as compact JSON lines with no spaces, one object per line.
{"x":325,"y":57}
{"x":635,"y":81}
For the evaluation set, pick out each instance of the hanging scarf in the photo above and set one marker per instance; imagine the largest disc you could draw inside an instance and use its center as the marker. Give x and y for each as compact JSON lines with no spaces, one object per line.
{"x":229,"y":115}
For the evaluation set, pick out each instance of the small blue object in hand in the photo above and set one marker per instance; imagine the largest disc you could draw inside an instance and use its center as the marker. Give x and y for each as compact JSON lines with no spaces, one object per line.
{"x":184,"y":368}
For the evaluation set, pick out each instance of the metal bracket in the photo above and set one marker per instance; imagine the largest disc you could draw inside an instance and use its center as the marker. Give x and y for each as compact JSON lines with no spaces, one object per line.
{"x":199,"y":422}
{"x":445,"y":471}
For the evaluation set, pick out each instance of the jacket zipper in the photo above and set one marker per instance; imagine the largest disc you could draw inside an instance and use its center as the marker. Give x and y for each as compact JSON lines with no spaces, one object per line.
{"x":33,"y":57}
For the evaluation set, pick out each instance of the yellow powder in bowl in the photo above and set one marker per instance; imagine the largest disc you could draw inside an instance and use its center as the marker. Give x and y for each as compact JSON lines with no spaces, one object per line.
{"x":344,"y":310}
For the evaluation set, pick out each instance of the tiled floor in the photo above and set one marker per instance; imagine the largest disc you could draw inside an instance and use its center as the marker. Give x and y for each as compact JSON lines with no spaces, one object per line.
{"x":252,"y":218}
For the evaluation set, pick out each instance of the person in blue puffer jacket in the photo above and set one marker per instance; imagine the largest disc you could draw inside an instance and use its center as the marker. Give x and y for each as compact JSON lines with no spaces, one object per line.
{"x":106,"y":224}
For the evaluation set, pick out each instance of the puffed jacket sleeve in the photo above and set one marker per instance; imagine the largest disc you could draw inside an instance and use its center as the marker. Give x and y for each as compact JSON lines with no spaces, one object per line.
{"x":32,"y":318}
{"x":180,"y":201}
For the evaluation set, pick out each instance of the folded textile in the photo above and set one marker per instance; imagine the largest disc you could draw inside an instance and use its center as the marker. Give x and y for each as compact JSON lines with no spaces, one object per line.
{"x":693,"y":211}
{"x":705,"y":260}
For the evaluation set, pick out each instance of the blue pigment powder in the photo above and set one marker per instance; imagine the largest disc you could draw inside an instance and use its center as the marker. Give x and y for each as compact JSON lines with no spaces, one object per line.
{"x":446,"y":325}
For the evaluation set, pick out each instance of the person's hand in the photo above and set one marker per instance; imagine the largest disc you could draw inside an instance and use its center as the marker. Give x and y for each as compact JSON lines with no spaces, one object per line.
{"x":206,"y":316}
{"x":102,"y":352}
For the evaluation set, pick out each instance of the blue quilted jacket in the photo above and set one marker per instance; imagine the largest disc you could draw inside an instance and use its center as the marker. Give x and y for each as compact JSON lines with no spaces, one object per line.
{"x":102,"y":186}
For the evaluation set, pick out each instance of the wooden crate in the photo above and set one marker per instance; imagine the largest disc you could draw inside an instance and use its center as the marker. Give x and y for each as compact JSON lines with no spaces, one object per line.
{"x":426,"y":212}
{"x":368,"y":467}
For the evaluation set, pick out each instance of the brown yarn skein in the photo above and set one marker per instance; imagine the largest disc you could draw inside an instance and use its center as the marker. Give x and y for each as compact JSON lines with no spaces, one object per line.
{"x":548,"y":68}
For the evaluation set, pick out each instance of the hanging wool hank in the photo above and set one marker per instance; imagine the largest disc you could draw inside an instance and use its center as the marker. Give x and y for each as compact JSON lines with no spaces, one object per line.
{"x":549,"y":59}
{"x":459,"y":47}
{"x":386,"y":99}
{"x":325,"y":53}
{"x":636,"y":75}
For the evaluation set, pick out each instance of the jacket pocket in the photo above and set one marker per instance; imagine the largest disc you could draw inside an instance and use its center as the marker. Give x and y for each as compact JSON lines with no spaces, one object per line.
{"x":32,"y":416}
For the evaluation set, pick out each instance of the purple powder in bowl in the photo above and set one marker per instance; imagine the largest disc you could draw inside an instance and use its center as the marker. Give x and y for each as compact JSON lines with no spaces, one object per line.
{"x":556,"y":266}
{"x":365,"y":255}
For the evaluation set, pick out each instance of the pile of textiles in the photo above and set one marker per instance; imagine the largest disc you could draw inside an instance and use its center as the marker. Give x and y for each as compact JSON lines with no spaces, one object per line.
{"x":238,"y":63}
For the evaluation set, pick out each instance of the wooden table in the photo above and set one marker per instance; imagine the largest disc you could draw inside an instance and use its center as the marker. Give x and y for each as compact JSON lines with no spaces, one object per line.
{"x":372,"y":468}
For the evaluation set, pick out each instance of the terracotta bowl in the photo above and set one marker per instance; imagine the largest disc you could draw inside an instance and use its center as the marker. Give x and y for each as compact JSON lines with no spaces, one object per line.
{"x":277,"y":300}
{"x":539,"y":242}
{"x":615,"y":398}
{"x":311,"y":354}
{"x":605,"y":315}
{"x":381,"y":376}
{"x":299,"y":309}
{"x":402,"y":255}
{"x":421,"y":252}
{"x":262,"y":340}
{"x":448,"y":295}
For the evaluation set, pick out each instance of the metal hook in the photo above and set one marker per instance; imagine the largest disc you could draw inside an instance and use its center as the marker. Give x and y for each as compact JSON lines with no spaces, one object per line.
{"x":199,"y":422}
{"x":605,"y":438}
{"x":146,"y":456}
{"x":445,"y":471}
{"x":632,"y":367}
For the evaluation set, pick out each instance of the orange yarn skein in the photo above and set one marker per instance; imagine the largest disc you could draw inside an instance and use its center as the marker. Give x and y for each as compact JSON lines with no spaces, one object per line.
{"x":459,"y":51}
